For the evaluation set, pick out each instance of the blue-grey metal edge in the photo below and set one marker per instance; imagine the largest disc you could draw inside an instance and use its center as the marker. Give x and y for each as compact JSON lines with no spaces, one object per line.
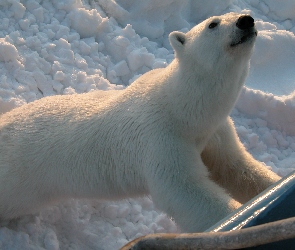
{"x":275,"y":203}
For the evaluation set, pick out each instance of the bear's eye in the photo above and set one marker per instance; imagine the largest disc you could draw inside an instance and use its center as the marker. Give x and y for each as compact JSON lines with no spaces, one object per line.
{"x":212,"y":25}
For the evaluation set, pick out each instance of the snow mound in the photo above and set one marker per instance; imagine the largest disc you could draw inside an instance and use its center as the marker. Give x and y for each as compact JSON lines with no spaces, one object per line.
{"x":8,"y":51}
{"x":270,"y":64}
{"x":279,"y":112}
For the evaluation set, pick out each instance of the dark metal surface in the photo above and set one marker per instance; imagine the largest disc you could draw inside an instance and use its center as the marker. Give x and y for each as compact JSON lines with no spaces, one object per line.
{"x":276,"y":203}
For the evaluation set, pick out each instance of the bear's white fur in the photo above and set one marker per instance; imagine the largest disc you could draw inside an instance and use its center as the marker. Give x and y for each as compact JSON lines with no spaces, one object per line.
{"x":168,"y":134}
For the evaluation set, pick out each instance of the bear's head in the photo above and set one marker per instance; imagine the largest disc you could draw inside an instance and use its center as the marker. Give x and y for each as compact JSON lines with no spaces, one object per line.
{"x":219,"y":40}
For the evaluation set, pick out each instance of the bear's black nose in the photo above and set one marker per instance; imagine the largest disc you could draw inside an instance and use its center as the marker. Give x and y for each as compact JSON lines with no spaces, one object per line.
{"x":245,"y":22}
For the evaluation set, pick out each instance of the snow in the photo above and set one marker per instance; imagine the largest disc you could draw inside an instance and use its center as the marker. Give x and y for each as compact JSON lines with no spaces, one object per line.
{"x":75,"y":46}
{"x":273,"y":46}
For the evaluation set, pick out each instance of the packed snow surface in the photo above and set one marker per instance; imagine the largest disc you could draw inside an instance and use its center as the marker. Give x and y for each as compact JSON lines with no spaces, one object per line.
{"x":75,"y":46}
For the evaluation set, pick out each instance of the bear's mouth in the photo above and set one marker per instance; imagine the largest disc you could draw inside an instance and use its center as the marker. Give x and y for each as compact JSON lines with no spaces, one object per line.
{"x":244,"y":38}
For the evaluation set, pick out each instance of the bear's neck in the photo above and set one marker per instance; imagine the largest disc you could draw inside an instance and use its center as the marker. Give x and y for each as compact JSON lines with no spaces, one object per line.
{"x":202,"y":100}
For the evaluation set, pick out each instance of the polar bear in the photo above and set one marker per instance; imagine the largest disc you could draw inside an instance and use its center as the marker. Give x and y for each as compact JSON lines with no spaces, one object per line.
{"x":168,"y":135}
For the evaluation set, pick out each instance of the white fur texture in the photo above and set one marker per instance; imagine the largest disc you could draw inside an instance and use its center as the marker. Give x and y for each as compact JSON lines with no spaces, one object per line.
{"x":167,"y":134}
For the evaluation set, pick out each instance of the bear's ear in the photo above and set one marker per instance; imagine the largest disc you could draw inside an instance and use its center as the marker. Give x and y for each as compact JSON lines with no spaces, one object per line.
{"x":177,"y":40}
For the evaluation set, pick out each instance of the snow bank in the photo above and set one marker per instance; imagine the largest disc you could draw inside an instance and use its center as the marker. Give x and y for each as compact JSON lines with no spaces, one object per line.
{"x":278,"y":10}
{"x":86,"y":224}
{"x":74,"y":46}
{"x":278,"y":111}
{"x":273,"y":55}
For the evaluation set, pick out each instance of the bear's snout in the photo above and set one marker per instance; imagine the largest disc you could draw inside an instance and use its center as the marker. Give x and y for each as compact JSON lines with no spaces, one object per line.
{"x":245,"y":22}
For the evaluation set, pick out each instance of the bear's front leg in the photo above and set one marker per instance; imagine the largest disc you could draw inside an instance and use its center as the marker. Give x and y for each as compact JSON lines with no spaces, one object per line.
{"x":179,"y":185}
{"x":233,"y":168}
